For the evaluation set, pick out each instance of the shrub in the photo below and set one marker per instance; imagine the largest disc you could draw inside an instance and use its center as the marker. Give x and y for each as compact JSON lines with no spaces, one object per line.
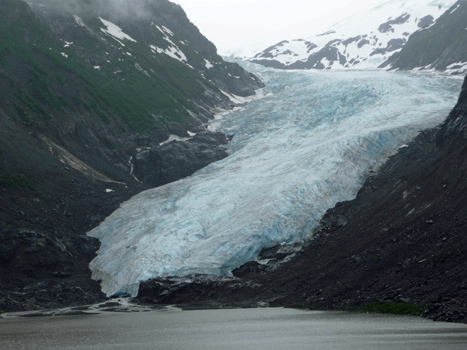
{"x":14,"y":181}
{"x":393,"y":308}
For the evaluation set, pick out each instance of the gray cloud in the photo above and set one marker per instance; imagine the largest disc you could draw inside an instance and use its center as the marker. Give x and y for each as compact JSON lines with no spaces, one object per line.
{"x":117,"y":8}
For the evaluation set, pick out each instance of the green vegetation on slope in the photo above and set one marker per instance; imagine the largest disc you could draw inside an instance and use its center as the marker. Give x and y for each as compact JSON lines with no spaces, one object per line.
{"x":393,"y":308}
{"x":14,"y":181}
{"x":129,"y":82}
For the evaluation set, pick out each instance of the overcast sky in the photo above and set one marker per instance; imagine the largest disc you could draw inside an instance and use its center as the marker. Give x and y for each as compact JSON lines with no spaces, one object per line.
{"x":229,"y":24}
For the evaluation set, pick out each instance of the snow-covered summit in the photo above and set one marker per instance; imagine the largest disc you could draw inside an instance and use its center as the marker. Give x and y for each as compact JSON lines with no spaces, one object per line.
{"x":361,"y":41}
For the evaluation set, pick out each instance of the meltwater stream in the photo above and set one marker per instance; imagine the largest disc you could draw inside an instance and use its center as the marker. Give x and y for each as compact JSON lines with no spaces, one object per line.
{"x":296,"y":152}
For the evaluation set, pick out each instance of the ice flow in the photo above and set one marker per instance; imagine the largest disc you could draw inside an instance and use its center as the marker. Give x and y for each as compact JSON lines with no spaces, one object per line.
{"x":295,"y":154}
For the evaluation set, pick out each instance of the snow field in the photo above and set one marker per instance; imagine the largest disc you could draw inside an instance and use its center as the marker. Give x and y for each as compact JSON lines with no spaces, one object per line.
{"x":367,"y":26}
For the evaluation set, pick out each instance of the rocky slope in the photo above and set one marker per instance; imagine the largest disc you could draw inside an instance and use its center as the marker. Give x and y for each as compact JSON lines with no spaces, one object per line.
{"x":362,"y":41}
{"x":441,"y":47}
{"x":90,"y":90}
{"x":401,"y":243}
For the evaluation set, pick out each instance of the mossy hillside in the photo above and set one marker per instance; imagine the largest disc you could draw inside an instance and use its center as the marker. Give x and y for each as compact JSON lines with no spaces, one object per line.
{"x":393,"y":308}
{"x":131,"y":83}
{"x":14,"y":181}
{"x":8,"y":180}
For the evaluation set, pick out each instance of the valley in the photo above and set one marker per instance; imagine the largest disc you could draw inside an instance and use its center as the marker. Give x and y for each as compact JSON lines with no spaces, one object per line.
{"x":324,"y":173}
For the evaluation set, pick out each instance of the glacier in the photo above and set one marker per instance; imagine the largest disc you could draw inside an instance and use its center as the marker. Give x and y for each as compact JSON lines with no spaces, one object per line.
{"x":309,"y":143}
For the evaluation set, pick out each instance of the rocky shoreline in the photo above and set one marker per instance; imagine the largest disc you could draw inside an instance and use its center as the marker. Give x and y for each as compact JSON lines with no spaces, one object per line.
{"x":45,"y":253}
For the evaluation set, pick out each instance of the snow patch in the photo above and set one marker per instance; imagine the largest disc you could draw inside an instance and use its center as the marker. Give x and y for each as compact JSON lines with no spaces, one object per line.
{"x":362,"y":41}
{"x":172,"y":51}
{"x":168,"y":31}
{"x":209,"y":65}
{"x":236,"y":99}
{"x":164,"y":30}
{"x":79,"y":21}
{"x":456,"y":68}
{"x":115,"y":31}
{"x":138,"y":67}
{"x":174,"y":138}
{"x":454,"y":9}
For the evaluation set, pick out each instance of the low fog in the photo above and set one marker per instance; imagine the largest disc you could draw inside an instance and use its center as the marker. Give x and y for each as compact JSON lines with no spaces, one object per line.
{"x":118,"y":8}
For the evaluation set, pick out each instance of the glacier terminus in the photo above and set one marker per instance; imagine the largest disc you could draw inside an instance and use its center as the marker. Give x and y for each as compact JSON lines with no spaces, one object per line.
{"x":307,"y":144}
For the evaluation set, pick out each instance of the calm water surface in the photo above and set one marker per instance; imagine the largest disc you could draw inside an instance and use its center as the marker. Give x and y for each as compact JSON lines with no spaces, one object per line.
{"x":231,"y":329}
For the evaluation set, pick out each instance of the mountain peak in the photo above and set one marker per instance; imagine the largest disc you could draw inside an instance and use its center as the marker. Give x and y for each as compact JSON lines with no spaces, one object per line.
{"x":361,"y":41}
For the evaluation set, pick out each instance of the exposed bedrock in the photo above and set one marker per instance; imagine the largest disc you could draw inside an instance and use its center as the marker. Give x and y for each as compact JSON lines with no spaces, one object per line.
{"x":178,"y":159}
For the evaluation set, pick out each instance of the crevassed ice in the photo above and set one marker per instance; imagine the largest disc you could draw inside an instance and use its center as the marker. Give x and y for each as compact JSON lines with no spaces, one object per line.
{"x":296,"y":152}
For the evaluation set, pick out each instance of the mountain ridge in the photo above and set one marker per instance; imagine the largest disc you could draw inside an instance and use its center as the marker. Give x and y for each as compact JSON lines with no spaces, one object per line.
{"x":438,"y":48}
{"x":368,"y":40}
{"x":88,"y":98}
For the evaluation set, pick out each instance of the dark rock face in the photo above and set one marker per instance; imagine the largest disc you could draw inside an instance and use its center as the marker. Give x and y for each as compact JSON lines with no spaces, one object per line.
{"x":178,"y":159}
{"x":425,"y":22}
{"x":329,"y":53}
{"x":362,"y":43}
{"x":195,"y":288}
{"x":269,"y":63}
{"x":267,"y":53}
{"x":393,"y":45}
{"x":45,"y":253}
{"x":79,"y":108}
{"x":437,"y":46}
{"x":401,"y":240}
{"x":387,"y":26}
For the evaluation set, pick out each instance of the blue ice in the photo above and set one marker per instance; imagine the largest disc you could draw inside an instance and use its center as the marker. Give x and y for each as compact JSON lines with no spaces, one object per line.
{"x":296,"y":152}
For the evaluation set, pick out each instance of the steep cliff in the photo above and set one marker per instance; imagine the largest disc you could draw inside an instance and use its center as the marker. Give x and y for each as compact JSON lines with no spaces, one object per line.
{"x":89,"y":90}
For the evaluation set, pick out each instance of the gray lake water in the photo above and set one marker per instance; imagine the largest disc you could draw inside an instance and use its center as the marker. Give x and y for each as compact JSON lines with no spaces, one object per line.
{"x":256,"y":329}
